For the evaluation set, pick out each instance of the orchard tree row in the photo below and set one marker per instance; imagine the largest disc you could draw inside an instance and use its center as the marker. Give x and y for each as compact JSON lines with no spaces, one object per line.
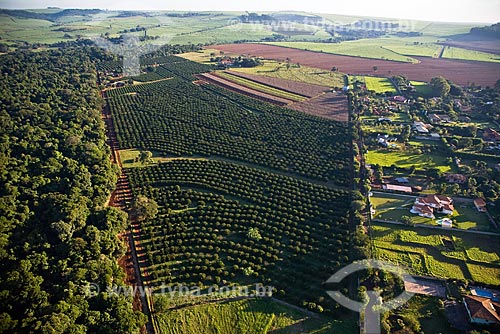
{"x":178,"y":118}
{"x":223,"y":223}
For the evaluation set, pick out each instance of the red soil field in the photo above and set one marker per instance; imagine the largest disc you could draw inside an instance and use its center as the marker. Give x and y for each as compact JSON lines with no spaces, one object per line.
{"x":461,"y":72}
{"x":329,"y":105}
{"x":300,"y":88}
{"x":214,"y":79}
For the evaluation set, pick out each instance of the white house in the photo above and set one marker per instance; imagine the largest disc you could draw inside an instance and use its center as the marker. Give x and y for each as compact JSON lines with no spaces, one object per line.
{"x":422,"y":211}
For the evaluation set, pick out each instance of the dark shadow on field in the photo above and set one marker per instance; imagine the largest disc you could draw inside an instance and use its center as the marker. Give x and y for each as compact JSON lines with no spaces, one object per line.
{"x":436,"y":254}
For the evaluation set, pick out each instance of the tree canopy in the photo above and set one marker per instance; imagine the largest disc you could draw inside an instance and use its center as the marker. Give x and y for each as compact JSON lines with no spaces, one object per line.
{"x":56,"y":175}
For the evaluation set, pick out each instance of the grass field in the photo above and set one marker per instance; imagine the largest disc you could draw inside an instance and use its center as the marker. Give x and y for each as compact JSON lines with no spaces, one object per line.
{"x":379,"y":85}
{"x":393,"y":207}
{"x":406,"y":159}
{"x":247,"y":316}
{"x":202,"y":56}
{"x":366,"y":48}
{"x":226,"y":34}
{"x":442,"y":253}
{"x":458,"y":53}
{"x":422,"y":88}
{"x":261,"y":87}
{"x":127,"y":158}
{"x":305,"y":74}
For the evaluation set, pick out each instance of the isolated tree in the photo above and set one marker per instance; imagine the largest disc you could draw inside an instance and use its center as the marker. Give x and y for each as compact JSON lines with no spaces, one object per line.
{"x":334,"y":69}
{"x":407,"y":220}
{"x":378,"y":173}
{"x":405,"y":133}
{"x":253,"y":233}
{"x":145,"y":157}
{"x":375,"y":68}
{"x":144,"y":208}
{"x":4,"y":48}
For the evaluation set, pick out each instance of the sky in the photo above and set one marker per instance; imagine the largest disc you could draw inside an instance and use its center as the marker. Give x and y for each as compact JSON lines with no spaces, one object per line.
{"x":487,"y":11}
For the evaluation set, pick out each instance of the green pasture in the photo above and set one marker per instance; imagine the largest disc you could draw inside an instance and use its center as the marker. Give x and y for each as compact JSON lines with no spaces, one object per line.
{"x":247,"y":316}
{"x":439,"y":253}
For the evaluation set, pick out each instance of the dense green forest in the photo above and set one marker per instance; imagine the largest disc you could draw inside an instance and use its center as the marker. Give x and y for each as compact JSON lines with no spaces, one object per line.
{"x":57,"y":235}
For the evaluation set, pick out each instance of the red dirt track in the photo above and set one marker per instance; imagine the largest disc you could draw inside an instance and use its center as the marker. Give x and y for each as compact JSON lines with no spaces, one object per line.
{"x":461,"y":72}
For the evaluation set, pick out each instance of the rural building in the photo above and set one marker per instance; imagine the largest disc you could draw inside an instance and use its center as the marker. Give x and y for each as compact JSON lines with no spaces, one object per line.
{"x":438,"y":119}
{"x":422,"y":210}
{"x":421,"y":127}
{"x":385,"y":140}
{"x":435,"y":136}
{"x":445,"y":222}
{"x":399,"y":98}
{"x":394,"y":187}
{"x":480,"y":204}
{"x":432,"y":203}
{"x":482,"y":310}
{"x":491,"y":135}
{"x":456,"y":178}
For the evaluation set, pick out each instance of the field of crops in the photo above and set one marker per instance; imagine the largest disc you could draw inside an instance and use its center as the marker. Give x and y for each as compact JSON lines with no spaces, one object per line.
{"x":260,"y":87}
{"x":361,"y":48}
{"x":279,"y":70}
{"x":458,"y":53}
{"x":225,"y":164}
{"x":247,"y":316}
{"x":447,"y":254}
{"x":300,"y":88}
{"x":178,"y":118}
{"x":459,"y":71}
{"x":207,"y":208}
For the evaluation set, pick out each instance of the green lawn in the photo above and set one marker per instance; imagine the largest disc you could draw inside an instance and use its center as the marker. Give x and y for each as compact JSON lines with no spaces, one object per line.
{"x":127,"y":158}
{"x":405,"y":159}
{"x":392,"y":207}
{"x":422,"y":88}
{"x":426,"y":252}
{"x":379,"y":85}
{"x":248,"y":316}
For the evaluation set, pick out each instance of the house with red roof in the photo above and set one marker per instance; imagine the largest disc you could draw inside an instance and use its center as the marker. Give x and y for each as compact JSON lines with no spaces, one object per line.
{"x":426,"y":206}
{"x":482,"y":310}
{"x":423,"y":211}
{"x":480,"y":204}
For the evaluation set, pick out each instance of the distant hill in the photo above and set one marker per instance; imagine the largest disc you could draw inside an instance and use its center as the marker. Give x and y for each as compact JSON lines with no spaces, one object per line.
{"x":49,"y":16}
{"x":489,"y":31}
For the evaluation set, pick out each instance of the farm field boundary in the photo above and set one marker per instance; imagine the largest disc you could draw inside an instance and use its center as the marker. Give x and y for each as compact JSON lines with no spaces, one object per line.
{"x":459,"y":71}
